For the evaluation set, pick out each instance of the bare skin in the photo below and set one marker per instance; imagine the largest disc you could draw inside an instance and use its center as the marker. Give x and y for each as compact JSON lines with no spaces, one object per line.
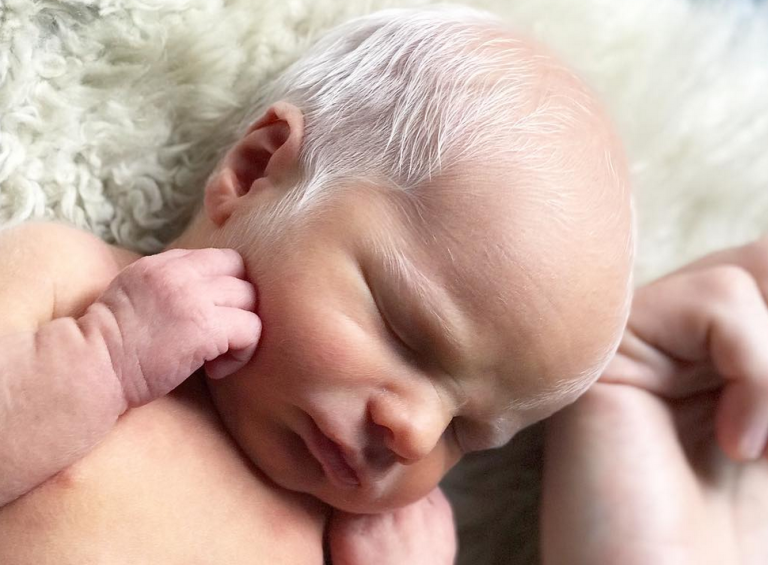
{"x":168,"y":472}
{"x":84,"y":479}
{"x":371,"y":381}
{"x":664,"y":460}
{"x":169,"y":469}
{"x":404,"y":372}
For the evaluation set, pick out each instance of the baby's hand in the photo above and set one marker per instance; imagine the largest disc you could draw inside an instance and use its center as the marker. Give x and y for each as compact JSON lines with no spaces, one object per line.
{"x":165,"y":316}
{"x":702,"y":328}
{"x":419,"y":534}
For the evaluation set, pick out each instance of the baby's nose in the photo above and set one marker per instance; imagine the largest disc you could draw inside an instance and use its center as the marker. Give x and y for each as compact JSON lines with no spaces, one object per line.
{"x":412,"y":428}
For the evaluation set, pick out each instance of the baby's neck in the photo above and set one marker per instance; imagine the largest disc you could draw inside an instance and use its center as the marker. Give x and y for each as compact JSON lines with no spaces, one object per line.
{"x":194,"y":398}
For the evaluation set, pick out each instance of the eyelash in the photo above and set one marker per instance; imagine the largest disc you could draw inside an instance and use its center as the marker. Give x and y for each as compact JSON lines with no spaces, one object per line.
{"x":411,"y":355}
{"x":408,"y":352}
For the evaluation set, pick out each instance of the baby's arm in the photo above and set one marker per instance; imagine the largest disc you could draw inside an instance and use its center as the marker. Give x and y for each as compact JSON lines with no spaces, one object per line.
{"x":59,"y":398}
{"x":63,"y":385}
{"x":703,"y":327}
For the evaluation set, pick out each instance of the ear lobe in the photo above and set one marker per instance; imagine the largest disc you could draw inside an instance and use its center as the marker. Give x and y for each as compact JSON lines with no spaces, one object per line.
{"x":269,"y":151}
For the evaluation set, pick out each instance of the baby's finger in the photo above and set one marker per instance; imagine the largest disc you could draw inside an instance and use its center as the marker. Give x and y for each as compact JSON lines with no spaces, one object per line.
{"x":737,"y":340}
{"x":243,"y":333}
{"x":217,"y":261}
{"x":227,"y":364}
{"x":233,"y":293}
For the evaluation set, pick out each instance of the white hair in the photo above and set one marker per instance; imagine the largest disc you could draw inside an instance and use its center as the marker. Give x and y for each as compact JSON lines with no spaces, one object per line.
{"x":399,"y":96}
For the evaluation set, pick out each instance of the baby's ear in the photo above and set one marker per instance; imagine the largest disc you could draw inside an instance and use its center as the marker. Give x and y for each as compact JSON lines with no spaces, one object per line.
{"x":267,"y":156}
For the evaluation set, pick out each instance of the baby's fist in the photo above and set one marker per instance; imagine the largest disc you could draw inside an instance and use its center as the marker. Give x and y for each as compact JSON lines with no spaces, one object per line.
{"x":419,"y":534}
{"x":165,"y":316}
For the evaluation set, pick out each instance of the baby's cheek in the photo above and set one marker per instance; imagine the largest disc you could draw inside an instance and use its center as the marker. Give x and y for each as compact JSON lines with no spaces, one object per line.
{"x":340,"y":349}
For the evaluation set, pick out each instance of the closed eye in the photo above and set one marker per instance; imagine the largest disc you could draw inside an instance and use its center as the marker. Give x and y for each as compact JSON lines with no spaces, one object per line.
{"x":390,"y":329}
{"x":405,"y":349}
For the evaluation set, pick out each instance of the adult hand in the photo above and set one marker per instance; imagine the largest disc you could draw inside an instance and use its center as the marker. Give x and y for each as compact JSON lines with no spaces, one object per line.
{"x":663,"y":461}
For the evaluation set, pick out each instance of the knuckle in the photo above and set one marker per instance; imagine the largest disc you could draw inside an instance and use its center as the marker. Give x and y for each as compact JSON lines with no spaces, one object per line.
{"x":760,"y":246}
{"x":756,"y":256}
{"x":228,"y":252}
{"x":149,"y":271}
{"x":728,"y":284}
{"x":220,"y":253}
{"x":142,"y":266}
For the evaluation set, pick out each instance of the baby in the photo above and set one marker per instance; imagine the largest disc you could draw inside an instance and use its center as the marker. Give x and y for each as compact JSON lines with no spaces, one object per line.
{"x":430,"y":216}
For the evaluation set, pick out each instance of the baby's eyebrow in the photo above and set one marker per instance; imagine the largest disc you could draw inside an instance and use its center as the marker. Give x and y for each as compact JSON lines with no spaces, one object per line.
{"x":403,"y":270}
{"x":415,"y":283}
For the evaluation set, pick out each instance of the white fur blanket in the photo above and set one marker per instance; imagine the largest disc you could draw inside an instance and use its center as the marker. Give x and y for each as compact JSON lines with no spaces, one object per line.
{"x":113,"y":112}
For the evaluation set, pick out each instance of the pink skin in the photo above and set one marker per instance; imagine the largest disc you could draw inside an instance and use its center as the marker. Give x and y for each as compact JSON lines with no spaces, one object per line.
{"x":403,"y":379}
{"x":200,"y":293}
{"x":366,"y":388}
{"x":418,"y":534}
{"x":369,"y":385}
{"x":195,"y":304}
{"x":159,"y":320}
{"x":665,"y":460}
{"x":700,"y":329}
{"x":402,"y":331}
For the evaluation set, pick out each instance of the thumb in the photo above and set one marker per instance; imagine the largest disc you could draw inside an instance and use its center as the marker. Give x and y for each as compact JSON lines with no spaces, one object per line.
{"x":740,"y":355}
{"x":742,"y":421}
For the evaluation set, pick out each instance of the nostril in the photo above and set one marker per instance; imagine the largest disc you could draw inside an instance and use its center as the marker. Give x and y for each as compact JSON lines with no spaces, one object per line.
{"x":403,"y":445}
{"x":379,"y":457}
{"x":395,"y":428}
{"x":377,"y":452}
{"x":382,"y":450}
{"x":398,"y":451}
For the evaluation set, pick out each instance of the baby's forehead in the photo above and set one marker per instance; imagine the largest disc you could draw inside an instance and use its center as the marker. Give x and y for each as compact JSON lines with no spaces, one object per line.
{"x":524,"y":308}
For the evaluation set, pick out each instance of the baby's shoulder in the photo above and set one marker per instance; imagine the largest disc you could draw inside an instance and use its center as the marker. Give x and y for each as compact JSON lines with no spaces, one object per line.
{"x":49,"y":270}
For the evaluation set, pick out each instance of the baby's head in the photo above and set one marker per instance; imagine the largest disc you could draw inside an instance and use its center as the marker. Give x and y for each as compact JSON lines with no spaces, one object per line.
{"x":436,"y":216}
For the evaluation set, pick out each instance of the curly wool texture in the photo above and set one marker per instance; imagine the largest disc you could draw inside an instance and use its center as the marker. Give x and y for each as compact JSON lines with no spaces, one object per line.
{"x":114,"y":112}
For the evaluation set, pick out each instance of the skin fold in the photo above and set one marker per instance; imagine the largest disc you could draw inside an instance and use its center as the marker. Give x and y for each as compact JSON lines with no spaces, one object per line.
{"x":664,"y":459}
{"x":396,"y":331}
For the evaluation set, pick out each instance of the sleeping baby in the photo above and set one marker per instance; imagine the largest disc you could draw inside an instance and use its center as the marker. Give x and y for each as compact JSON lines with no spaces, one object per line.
{"x":420,"y":243}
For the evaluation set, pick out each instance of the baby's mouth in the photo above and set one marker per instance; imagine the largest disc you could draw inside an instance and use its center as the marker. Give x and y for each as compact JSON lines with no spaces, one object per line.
{"x":331,"y":457}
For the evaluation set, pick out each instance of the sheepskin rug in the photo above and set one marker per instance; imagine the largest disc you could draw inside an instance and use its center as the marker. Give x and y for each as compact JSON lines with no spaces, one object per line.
{"x":113,"y":113}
